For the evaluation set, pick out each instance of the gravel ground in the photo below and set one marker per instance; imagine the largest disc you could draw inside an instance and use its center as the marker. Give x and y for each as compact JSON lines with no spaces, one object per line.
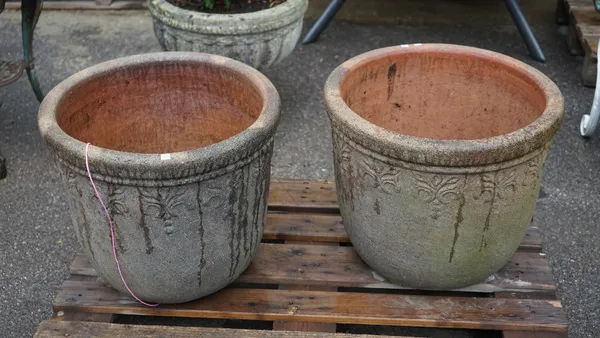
{"x":37,"y":242}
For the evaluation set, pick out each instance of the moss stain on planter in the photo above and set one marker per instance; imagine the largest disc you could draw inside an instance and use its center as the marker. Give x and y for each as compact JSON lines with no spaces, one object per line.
{"x":459,"y":219}
{"x":438,"y":157}
{"x":166,"y":181}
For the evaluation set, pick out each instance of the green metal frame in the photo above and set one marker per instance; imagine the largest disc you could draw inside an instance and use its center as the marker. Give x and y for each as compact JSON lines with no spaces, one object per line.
{"x":30,"y":13}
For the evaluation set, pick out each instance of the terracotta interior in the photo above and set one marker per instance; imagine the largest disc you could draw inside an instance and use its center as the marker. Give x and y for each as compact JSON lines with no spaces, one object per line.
{"x":443,"y":95}
{"x":160,"y":108}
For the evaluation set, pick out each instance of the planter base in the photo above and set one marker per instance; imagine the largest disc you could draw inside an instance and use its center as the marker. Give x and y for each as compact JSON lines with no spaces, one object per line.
{"x":528,"y":301}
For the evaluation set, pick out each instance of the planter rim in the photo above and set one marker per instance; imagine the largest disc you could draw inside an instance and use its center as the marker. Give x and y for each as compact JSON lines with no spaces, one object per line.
{"x":228,"y":24}
{"x":439,"y":152}
{"x":175,"y":168}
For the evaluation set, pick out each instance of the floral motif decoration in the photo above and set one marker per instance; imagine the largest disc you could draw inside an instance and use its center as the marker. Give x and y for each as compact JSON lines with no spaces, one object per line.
{"x":382,"y":175}
{"x":344,"y":167}
{"x":437,"y":190}
{"x":116,"y":202}
{"x":345,"y":153}
{"x":70,"y":178}
{"x":533,"y":171}
{"x":163,"y":205}
{"x":500,"y":184}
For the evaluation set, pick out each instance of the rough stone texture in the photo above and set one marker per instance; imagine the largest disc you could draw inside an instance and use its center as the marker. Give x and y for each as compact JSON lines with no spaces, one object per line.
{"x":186,"y":223}
{"x":259,"y":39}
{"x":434,"y":221}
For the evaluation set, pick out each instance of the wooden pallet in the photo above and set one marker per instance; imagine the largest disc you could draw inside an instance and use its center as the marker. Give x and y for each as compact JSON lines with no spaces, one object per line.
{"x":583,"y":34}
{"x":307,"y":277}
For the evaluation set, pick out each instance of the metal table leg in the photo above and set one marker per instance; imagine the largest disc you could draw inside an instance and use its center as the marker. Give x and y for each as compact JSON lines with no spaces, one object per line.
{"x":30,"y":13}
{"x":323,"y":21}
{"x":589,"y":122}
{"x":525,"y":30}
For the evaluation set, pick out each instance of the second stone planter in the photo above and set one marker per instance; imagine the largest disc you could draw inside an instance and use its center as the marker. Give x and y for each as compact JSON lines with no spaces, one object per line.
{"x":439,"y":152}
{"x":181,"y":151}
{"x":259,"y":39}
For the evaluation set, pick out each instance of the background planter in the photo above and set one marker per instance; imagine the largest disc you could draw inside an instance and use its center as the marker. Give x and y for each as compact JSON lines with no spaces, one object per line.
{"x":438,"y":156}
{"x":181,"y":155}
{"x":259,"y":39}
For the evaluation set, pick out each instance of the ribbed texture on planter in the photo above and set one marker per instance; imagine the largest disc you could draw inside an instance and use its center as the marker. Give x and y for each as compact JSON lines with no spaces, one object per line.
{"x":271,"y":39}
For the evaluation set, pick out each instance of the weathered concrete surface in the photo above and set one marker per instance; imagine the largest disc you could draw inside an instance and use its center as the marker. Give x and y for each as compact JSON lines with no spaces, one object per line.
{"x":259,"y":39}
{"x":37,"y":242}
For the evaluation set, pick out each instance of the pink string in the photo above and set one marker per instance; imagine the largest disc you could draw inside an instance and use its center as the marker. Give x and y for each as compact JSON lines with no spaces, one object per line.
{"x":112,"y":231}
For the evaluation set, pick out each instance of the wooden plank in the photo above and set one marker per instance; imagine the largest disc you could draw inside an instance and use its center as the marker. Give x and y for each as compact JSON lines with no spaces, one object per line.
{"x":532,"y":240}
{"x":82,"y":4}
{"x":81,"y":266}
{"x":583,"y":35}
{"x":585,"y":21}
{"x":305,"y":326}
{"x":573,"y":4}
{"x":525,"y":334}
{"x":305,"y":227}
{"x":316,"y":265}
{"x":331,"y":307}
{"x":342,"y":267}
{"x":281,"y":325}
{"x":82,"y":316}
{"x":295,"y":195}
{"x":329,"y":228}
{"x":57,"y":329}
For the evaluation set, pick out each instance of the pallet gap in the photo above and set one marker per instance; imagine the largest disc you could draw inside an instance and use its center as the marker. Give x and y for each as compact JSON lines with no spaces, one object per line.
{"x":416,"y":331}
{"x":193,"y":322}
{"x":304,"y":210}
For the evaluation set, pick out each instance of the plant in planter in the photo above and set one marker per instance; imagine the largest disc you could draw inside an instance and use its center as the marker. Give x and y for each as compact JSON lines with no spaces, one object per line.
{"x":259,"y":33}
{"x":226,"y":6}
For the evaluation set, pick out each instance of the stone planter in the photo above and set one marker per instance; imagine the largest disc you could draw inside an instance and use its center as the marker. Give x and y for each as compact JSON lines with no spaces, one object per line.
{"x":259,"y":39}
{"x":182,"y":144}
{"x":438,"y":157}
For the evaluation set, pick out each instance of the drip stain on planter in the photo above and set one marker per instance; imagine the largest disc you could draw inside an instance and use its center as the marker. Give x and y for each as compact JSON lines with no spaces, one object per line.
{"x":184,"y":222}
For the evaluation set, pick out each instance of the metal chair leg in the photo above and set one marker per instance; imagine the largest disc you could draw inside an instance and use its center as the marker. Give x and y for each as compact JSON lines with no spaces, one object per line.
{"x":589,"y":122}
{"x":323,"y":21}
{"x":30,"y":13}
{"x":525,"y":30}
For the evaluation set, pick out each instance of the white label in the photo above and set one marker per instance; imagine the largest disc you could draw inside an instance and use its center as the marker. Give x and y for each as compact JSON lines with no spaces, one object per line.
{"x":164,"y":157}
